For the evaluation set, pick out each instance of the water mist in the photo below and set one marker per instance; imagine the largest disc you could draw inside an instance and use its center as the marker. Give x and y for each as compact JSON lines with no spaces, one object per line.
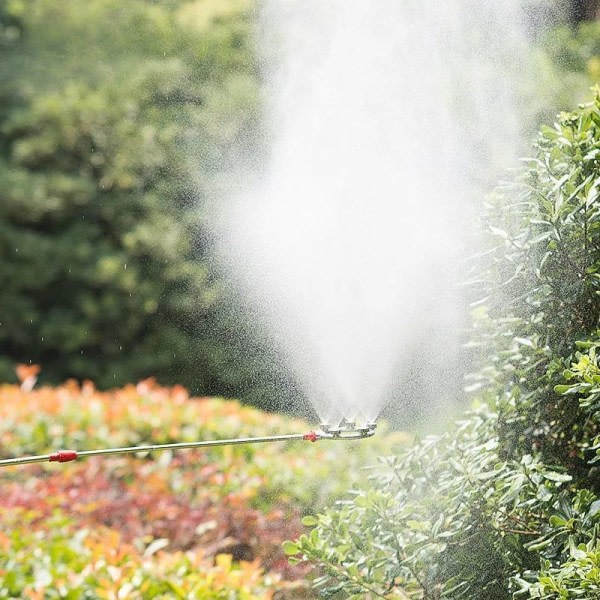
{"x":384,"y":118}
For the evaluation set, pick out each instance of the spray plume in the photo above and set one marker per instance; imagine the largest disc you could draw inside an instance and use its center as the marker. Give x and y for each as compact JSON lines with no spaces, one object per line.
{"x":383,"y":117}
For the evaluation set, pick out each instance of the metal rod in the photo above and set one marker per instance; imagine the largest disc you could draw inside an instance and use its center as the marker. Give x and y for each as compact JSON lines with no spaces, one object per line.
{"x":346,"y":431}
{"x":68,"y":455}
{"x":25,"y":460}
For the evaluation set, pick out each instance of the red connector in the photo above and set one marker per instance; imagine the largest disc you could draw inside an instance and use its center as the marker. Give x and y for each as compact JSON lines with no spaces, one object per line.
{"x":311,"y":436}
{"x":63,"y":456}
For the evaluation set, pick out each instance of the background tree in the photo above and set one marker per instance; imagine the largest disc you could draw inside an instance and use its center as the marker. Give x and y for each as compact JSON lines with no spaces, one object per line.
{"x":105,"y":110}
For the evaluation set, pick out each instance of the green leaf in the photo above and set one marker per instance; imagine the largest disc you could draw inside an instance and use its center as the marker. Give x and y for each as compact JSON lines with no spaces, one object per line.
{"x":290,"y":548}
{"x":557,"y":521}
{"x":563,"y":389}
{"x":557,"y":477}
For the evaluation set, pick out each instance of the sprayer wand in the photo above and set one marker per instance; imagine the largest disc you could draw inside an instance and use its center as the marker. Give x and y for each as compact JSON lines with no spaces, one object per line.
{"x":345,"y":431}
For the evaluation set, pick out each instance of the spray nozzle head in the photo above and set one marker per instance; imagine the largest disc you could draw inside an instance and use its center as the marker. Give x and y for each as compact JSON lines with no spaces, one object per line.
{"x":348,"y":430}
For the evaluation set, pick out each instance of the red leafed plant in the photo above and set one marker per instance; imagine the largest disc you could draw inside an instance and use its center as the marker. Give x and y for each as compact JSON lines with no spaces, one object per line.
{"x":240,"y":501}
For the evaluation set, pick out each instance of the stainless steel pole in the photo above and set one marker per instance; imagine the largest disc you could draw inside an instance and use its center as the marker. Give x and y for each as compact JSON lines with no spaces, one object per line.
{"x":69,"y":455}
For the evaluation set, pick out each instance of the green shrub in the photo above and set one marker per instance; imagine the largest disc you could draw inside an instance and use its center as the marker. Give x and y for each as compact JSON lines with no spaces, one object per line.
{"x":113,"y":121}
{"x":505,"y":504}
{"x":578,"y":577}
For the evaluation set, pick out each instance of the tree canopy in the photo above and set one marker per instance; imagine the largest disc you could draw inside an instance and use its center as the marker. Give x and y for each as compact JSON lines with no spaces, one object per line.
{"x":115,"y":120}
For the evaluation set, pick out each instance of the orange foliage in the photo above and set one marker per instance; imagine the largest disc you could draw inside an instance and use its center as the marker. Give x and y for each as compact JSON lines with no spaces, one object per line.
{"x":27,"y":375}
{"x":240,"y":501}
{"x":196,"y":500}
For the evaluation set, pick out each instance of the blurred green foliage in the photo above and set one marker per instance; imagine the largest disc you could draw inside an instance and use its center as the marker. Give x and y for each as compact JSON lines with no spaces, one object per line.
{"x":507,"y":504}
{"x":106,"y":108}
{"x":567,"y":61}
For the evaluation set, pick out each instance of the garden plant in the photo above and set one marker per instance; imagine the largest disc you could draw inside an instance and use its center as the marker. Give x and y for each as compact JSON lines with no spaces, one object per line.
{"x":193,"y":524}
{"x":507,"y":504}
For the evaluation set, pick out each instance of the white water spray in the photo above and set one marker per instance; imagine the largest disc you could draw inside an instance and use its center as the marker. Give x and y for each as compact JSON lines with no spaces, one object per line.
{"x":384,"y":116}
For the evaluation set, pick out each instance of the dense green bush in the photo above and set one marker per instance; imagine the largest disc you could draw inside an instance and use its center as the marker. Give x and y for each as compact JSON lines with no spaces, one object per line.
{"x":114,"y":120}
{"x":507,"y":503}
